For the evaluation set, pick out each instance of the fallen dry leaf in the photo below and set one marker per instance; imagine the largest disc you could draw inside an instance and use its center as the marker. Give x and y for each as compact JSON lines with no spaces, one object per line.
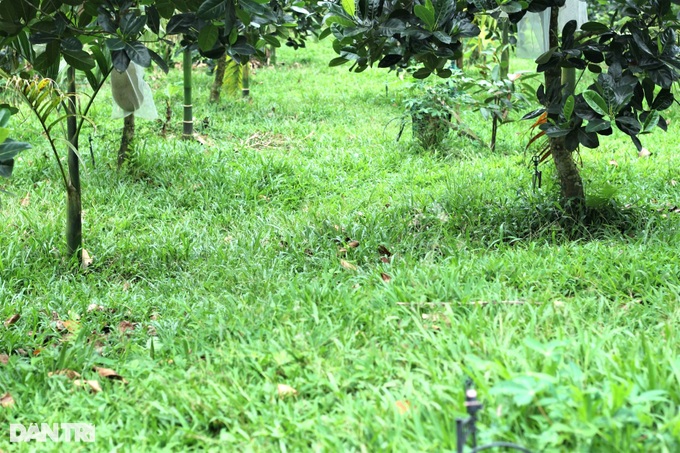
{"x":285,"y":390}
{"x":12,"y":319}
{"x":124,"y":326}
{"x":6,"y":400}
{"x":644,"y":152}
{"x":384,"y":251}
{"x":94,"y":385}
{"x":71,"y":325}
{"x":436,"y":317}
{"x":26,"y":200}
{"x":353,"y":244}
{"x":385,"y":259}
{"x":347,"y":265}
{"x":95,"y":307}
{"x":4,"y":359}
{"x":342,"y":251}
{"x":109,"y":374}
{"x":70,"y":374}
{"x":403,"y":406}
{"x":674,"y":182}
{"x":386,"y":278}
{"x":614,"y":163}
{"x":87,"y":260}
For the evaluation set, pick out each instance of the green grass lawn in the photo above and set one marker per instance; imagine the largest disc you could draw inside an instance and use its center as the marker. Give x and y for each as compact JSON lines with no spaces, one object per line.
{"x":223,"y":271}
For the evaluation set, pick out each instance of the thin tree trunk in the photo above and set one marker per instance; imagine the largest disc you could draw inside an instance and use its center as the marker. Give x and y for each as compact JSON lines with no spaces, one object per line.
{"x":246,"y":79}
{"x":126,"y":139}
{"x":505,"y":54}
{"x":272,"y":56}
{"x":216,"y":88}
{"x":571,"y":184}
{"x":188,"y":123}
{"x":74,"y":220}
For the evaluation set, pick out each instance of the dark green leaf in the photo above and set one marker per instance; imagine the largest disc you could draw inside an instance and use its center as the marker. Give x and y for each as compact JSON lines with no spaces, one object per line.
{"x":595,"y":27}
{"x":6,"y":167}
{"x":115,"y":43}
{"x":153,"y":19}
{"x":160,"y":62}
{"x":131,"y":25}
{"x":212,"y":9}
{"x":596,"y":102}
{"x":80,"y":60}
{"x":10,"y":148}
{"x":207,"y":37}
{"x":628,"y":124}
{"x":338,"y":61}
{"x":138,"y":53}
{"x":597,"y":125}
{"x":422,"y":73}
{"x":120,"y":60}
{"x":389,"y":60}
{"x":663,"y":100}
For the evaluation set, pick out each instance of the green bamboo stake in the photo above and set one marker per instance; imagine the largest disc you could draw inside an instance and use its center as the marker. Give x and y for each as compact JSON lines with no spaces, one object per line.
{"x":188,"y":123}
{"x":246,"y":79}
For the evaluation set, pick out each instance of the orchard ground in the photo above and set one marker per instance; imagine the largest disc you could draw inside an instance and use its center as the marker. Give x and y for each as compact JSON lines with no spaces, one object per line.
{"x":297,"y":280}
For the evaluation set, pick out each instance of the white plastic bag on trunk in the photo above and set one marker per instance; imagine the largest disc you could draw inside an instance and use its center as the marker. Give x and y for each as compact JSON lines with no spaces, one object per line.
{"x":532,"y":30}
{"x":131,"y":94}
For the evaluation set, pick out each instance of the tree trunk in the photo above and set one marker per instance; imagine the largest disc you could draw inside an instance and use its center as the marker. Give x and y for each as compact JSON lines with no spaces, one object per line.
{"x":74,"y":220}
{"x":188,"y":123}
{"x":271,"y":60}
{"x":505,"y":42}
{"x":216,"y":88}
{"x":126,"y":139}
{"x":571,"y":184}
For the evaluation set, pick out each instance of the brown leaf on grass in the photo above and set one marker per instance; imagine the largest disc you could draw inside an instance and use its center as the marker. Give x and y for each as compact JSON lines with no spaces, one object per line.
{"x":6,"y":400}
{"x":436,"y":317}
{"x":613,"y":163}
{"x":95,"y":307}
{"x":12,"y":319}
{"x":26,"y":200}
{"x":124,"y":326}
{"x":59,"y":325}
{"x":285,"y":390}
{"x":342,"y":251}
{"x":644,"y":152}
{"x":347,"y":265}
{"x":386,"y":278}
{"x":109,"y":374}
{"x":70,"y":374}
{"x":384,"y":251}
{"x":92,"y":384}
{"x":385,"y":259}
{"x":403,"y":406}
{"x":353,"y":244}
{"x":71,"y":325}
{"x":87,"y":259}
{"x":4,"y":359}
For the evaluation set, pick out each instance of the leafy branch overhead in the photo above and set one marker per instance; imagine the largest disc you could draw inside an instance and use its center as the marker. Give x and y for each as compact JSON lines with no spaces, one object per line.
{"x":239,"y":29}
{"x":636,"y":65}
{"x":634,"y":55}
{"x":397,"y":33}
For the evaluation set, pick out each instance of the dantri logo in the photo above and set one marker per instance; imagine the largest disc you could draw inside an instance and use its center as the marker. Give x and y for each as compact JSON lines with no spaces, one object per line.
{"x":56,"y":432}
